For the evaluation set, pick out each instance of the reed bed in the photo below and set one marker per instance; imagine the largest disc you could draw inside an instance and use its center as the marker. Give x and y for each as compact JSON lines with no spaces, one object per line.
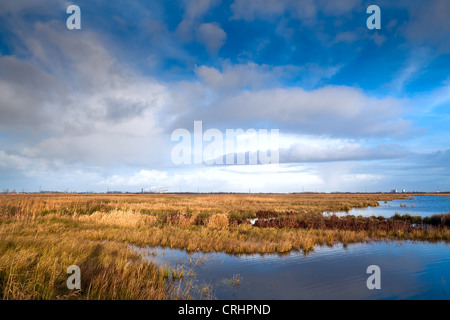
{"x":120,"y":218}
{"x":34,"y":260}
{"x":237,"y":205}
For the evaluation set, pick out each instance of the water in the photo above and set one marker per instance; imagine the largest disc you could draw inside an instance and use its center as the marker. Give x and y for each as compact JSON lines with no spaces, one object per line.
{"x":417,"y":205}
{"x":409,"y":270}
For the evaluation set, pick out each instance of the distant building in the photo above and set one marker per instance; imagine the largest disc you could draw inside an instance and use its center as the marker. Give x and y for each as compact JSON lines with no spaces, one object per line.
{"x":394,"y":191}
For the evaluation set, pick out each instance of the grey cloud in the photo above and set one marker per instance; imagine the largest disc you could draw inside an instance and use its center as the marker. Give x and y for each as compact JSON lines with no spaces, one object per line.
{"x":337,"y":111}
{"x":29,"y":96}
{"x":252,"y":9}
{"x":71,"y":80}
{"x":30,"y":6}
{"x":438,"y":161}
{"x":429,"y":24}
{"x":196,"y":9}
{"x":193,"y":28}
{"x":238,"y":77}
{"x":305,"y":10}
{"x":123,"y":109}
{"x":212,"y":36}
{"x":306,"y":153}
{"x":337,"y":8}
{"x":103,"y":149}
{"x":416,"y":172}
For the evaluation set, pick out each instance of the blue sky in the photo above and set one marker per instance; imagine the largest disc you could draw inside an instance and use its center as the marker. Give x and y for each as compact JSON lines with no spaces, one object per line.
{"x":94,"y":109}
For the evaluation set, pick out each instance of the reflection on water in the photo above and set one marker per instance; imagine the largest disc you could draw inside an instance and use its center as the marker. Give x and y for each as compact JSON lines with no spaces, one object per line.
{"x":418,"y":205}
{"x":409,"y":270}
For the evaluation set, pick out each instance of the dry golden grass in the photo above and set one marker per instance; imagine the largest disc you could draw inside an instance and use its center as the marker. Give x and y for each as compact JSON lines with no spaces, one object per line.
{"x":35,"y":257}
{"x":232,"y":204}
{"x":218,"y":221}
{"x":120,"y":218}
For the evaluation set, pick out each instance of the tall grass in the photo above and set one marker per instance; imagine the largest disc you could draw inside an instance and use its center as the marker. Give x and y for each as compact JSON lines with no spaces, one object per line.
{"x":35,"y":257}
{"x":128,"y":218}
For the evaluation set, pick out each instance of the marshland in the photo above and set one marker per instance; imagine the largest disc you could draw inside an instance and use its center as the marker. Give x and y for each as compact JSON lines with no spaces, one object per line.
{"x":42,"y":234}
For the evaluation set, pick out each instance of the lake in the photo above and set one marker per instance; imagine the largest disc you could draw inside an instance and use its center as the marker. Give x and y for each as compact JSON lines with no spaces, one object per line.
{"x":415,"y":205}
{"x":409,"y":270}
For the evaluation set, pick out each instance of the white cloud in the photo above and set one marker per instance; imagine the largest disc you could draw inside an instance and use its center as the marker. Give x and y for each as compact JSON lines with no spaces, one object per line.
{"x":255,"y":76}
{"x":259,"y":178}
{"x":13,"y":161}
{"x":419,"y":59}
{"x":221,"y":179}
{"x":144,"y":178}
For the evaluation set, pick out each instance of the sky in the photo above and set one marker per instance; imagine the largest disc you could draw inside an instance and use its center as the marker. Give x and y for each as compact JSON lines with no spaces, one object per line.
{"x":94,"y":109}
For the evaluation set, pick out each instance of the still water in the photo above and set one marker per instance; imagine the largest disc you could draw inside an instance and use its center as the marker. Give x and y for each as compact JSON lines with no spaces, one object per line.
{"x":416,"y":205}
{"x":409,"y":270}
